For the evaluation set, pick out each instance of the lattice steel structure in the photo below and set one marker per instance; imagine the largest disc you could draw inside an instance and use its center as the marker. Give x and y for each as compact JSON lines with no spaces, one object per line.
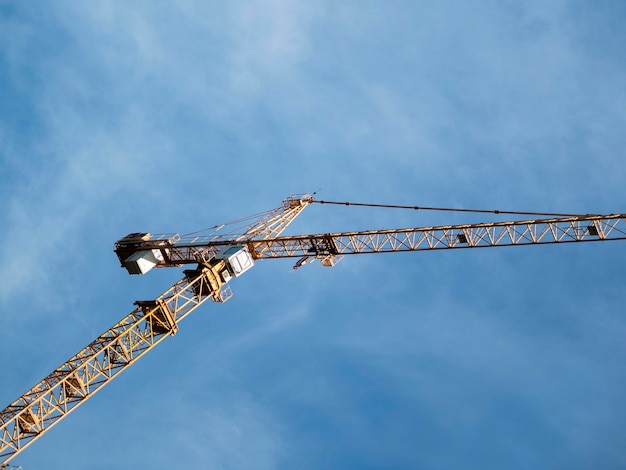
{"x":44,"y":405}
{"x":530,"y":232}
{"x":103,"y":359}
{"x":584,"y":228}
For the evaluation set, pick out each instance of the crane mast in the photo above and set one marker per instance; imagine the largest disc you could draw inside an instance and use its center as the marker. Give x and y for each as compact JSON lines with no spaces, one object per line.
{"x":220,"y":256}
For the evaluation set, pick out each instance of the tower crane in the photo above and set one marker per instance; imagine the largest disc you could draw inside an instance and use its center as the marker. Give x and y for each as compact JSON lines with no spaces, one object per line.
{"x":214,"y":258}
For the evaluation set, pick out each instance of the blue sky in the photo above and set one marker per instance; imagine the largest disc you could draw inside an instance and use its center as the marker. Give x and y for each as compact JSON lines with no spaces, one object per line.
{"x":148,"y":116}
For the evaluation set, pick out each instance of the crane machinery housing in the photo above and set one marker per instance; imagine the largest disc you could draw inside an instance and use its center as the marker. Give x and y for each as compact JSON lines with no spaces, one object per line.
{"x":214,"y":257}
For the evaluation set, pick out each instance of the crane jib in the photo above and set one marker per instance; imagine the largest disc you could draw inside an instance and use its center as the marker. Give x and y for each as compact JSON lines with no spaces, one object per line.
{"x":140,"y":252}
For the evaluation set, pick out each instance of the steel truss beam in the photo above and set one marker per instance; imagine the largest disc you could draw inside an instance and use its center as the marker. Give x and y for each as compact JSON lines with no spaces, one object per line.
{"x":61,"y":392}
{"x":529,"y":232}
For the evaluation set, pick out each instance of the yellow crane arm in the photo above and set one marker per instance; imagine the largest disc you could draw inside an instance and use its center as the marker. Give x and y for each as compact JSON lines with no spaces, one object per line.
{"x":328,"y":246}
{"x":529,"y":232}
{"x":72,"y":383}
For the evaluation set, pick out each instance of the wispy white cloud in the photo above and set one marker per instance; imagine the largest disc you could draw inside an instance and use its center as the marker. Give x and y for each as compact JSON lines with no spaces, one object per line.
{"x":228,"y":432}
